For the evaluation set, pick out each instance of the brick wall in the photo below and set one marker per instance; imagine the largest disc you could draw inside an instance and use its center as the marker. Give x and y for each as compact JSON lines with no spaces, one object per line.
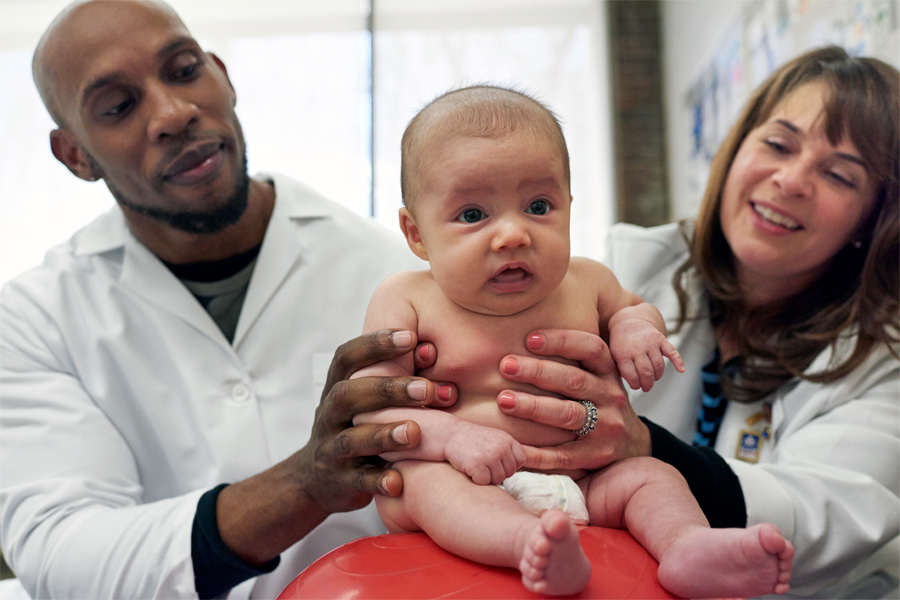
{"x":638,"y":116}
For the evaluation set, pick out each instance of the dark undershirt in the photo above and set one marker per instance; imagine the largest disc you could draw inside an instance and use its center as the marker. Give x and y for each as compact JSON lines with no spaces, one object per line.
{"x":214,"y":270}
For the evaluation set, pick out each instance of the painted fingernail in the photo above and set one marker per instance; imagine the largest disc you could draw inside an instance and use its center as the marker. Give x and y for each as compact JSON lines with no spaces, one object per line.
{"x":445,"y":392}
{"x":416,"y":389}
{"x":535,"y":341}
{"x":401,"y":339}
{"x":511,"y":366}
{"x":506,"y":400}
{"x":423,"y":353}
{"x":399,"y":434}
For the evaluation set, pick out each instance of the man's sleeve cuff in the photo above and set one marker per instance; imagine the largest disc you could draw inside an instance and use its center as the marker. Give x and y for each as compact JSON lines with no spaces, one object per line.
{"x":216,"y":568}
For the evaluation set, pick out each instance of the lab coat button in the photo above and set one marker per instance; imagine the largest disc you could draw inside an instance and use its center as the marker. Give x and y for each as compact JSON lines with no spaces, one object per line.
{"x":240,"y":393}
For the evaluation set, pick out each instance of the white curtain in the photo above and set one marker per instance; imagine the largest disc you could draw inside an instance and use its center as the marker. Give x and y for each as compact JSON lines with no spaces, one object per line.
{"x":301,"y":71}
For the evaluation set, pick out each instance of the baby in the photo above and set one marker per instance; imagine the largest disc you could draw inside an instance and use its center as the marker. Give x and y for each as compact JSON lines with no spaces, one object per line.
{"x":485,"y":180}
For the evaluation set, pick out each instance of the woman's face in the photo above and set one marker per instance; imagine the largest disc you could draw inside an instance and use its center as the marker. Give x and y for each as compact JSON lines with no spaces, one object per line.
{"x":791,"y":199}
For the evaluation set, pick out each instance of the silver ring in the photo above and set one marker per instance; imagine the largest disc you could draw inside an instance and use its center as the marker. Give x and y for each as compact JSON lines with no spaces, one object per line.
{"x":591,"y":420}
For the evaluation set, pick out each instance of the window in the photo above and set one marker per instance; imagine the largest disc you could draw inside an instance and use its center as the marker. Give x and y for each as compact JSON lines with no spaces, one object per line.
{"x":322,"y":100}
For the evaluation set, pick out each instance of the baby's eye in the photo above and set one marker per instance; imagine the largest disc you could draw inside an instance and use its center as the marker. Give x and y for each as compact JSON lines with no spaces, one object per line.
{"x":538,"y":207}
{"x":470,"y":215}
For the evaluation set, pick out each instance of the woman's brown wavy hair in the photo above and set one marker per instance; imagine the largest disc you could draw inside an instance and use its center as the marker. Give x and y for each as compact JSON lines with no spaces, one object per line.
{"x":860,"y":291}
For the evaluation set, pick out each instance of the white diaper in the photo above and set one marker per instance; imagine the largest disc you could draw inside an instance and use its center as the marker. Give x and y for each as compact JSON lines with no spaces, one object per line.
{"x":537,"y":492}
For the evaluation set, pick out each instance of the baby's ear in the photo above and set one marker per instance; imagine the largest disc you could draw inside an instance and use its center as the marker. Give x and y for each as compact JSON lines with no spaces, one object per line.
{"x":411,"y":231}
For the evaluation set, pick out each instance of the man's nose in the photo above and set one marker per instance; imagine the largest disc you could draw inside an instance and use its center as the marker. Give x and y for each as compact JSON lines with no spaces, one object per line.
{"x":170,"y":113}
{"x":510,"y":233}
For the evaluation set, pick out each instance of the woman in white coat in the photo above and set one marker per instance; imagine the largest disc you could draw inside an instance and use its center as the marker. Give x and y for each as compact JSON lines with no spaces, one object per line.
{"x":782,"y":298}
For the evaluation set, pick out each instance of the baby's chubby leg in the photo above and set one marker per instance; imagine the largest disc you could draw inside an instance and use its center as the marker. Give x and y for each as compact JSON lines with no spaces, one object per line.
{"x":653,"y":501}
{"x":485,"y":524}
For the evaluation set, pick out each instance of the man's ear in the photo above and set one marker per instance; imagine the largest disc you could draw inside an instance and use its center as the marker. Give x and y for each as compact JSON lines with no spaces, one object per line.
{"x":221,"y":65}
{"x":411,"y":231}
{"x":68,"y":151}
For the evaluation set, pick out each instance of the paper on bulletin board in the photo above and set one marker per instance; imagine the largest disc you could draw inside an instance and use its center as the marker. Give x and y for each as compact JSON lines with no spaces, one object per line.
{"x":770,"y":32}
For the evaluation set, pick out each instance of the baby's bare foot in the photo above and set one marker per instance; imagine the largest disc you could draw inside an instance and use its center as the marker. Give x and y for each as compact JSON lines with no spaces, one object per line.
{"x":707,"y":563}
{"x":552,"y":560}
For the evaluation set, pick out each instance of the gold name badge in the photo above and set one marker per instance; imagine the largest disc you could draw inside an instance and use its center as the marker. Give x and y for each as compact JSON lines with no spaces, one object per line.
{"x":749,"y":446}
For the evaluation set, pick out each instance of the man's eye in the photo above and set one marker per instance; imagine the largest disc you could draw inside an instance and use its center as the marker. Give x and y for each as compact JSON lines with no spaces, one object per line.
{"x":538,"y":207}
{"x":186,"y":72}
{"x":184,"y":66}
{"x":470,"y":215}
{"x":119,"y":109}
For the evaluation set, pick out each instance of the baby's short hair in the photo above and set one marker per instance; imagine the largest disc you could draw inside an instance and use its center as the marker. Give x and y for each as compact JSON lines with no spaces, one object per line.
{"x":482,"y":110}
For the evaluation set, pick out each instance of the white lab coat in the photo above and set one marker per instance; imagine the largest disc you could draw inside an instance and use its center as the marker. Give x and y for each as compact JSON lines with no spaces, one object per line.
{"x":829,"y":478}
{"x":122,"y":402}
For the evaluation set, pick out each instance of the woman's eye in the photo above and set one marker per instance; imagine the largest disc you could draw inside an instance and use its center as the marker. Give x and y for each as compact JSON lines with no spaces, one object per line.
{"x":841,"y":180}
{"x":470,"y":215}
{"x":776,"y":146}
{"x":538,"y":207}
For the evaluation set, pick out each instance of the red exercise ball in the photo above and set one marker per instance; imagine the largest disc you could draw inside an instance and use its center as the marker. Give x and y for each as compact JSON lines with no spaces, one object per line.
{"x":411,"y":566}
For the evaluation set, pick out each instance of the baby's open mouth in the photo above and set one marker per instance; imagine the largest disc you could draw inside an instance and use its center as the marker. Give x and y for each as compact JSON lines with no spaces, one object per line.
{"x":511,"y":275}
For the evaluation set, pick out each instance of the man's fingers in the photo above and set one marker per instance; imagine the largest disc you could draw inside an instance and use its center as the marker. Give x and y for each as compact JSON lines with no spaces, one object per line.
{"x":588,"y":349}
{"x":366,"y":394}
{"x":367,"y":350}
{"x":372,"y":439}
{"x":371,"y":480}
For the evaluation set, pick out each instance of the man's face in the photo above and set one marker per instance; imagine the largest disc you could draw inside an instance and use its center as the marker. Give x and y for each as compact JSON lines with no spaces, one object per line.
{"x":152,"y":113}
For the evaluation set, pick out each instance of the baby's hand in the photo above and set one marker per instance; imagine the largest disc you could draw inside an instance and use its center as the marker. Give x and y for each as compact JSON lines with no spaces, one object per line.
{"x":485,"y":454}
{"x":640,"y":351}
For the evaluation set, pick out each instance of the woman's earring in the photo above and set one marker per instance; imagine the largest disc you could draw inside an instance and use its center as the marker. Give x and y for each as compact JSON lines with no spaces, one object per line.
{"x":857,"y":244}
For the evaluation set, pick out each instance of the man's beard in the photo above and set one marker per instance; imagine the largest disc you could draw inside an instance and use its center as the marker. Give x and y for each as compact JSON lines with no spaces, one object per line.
{"x":198,"y":222}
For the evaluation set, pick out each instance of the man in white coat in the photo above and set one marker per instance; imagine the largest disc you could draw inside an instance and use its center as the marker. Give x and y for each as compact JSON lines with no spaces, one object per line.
{"x":182,"y":341}
{"x":160,"y":370}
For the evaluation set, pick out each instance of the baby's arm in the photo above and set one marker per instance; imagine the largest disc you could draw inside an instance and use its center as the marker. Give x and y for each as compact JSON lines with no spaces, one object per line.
{"x":636,"y":330}
{"x":638,"y":343}
{"x":485,"y":454}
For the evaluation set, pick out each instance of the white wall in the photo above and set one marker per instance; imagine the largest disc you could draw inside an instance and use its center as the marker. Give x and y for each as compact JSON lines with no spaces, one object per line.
{"x":691,"y":32}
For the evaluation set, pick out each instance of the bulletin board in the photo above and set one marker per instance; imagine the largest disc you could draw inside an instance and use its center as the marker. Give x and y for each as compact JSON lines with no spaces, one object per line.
{"x":768,"y":33}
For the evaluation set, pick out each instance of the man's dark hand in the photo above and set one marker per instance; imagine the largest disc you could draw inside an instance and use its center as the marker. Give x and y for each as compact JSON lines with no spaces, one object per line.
{"x":340,"y":461}
{"x":338,"y":470}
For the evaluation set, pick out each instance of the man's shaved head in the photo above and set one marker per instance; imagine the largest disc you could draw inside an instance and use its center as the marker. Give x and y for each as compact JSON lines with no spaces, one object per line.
{"x":478,"y":111}
{"x":60,"y":41}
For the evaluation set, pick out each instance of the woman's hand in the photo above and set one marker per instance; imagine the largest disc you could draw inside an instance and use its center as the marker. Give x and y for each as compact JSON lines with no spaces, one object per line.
{"x":618,"y":434}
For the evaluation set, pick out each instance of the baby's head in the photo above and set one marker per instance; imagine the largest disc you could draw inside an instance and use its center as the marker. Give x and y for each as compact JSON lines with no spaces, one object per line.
{"x":480,"y":111}
{"x":485,"y":176}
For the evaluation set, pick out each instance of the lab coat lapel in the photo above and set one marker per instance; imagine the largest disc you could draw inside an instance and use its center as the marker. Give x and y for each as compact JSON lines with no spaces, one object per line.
{"x":281,"y":249}
{"x":144,"y":274}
